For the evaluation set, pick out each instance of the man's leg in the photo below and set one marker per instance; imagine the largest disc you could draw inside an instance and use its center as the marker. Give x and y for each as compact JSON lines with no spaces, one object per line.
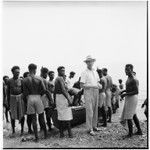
{"x":40,"y":123}
{"x":34,"y":124}
{"x":48,"y":112}
{"x":109,"y":114}
{"x":89,"y":114}
{"x":137,"y":123}
{"x":43,"y":125}
{"x":22,"y":125}
{"x":29,"y":121}
{"x":69,"y":129}
{"x":104,"y":116}
{"x":6,"y":114}
{"x":130,"y":126}
{"x":95,"y":108}
{"x":61,"y":128}
{"x":75,"y":100}
{"x":13,"y":125}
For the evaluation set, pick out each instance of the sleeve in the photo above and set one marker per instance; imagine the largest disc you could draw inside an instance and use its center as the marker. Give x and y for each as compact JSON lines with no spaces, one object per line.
{"x":83,"y":77}
{"x":97,"y":77}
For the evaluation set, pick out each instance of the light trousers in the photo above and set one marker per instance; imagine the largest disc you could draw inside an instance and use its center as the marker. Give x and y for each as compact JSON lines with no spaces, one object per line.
{"x":91,"y":103}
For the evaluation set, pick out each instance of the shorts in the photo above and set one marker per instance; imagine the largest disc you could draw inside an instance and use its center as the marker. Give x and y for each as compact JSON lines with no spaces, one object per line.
{"x":34,"y":105}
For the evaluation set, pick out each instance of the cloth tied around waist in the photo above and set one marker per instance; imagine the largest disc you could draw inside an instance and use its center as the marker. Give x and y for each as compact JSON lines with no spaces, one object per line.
{"x":17,"y":106}
{"x":63,"y":110}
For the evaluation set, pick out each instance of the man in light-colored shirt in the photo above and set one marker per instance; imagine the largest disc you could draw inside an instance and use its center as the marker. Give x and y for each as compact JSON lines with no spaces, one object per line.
{"x":90,"y":83}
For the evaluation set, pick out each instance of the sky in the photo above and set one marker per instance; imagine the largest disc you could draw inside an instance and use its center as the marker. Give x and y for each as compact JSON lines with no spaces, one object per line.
{"x":51,"y":34}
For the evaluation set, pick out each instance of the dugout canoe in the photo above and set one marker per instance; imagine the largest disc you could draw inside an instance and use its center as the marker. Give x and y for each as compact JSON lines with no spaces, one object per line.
{"x":79,"y":116}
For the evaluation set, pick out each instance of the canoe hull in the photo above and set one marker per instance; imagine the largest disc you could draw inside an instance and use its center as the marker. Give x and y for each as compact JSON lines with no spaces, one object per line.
{"x":79,"y":116}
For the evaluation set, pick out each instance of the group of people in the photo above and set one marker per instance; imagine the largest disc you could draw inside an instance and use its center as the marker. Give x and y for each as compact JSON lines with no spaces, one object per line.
{"x":34,"y":96}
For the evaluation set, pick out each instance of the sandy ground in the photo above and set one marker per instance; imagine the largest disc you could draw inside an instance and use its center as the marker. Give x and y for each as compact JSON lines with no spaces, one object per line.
{"x":110,"y":137}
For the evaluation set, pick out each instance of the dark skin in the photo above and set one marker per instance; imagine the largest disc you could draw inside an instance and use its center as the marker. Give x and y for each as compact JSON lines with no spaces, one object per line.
{"x":131,"y":84}
{"x":16,"y":74}
{"x":102,"y":82}
{"x":61,"y":73}
{"x":48,"y":94}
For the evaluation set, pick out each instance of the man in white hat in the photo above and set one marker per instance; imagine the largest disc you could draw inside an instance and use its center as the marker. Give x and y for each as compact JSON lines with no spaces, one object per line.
{"x":90,"y":83}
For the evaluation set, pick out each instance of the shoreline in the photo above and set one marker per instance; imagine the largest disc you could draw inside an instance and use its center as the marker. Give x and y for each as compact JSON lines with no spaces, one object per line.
{"x":109,"y":137}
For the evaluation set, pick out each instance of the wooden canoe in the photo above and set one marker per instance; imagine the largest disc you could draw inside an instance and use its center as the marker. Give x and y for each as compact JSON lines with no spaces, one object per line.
{"x":79,"y":116}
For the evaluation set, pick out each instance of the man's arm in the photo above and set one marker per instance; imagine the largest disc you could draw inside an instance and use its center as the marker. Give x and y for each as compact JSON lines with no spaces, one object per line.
{"x":43,"y":88}
{"x":64,"y":91}
{"x":25,"y":91}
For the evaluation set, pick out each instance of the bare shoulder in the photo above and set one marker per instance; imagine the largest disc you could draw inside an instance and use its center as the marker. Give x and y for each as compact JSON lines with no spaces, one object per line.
{"x":10,"y":81}
{"x":38,"y":78}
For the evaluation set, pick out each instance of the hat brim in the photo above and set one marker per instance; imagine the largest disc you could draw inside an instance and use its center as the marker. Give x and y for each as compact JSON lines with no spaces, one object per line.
{"x":90,"y":60}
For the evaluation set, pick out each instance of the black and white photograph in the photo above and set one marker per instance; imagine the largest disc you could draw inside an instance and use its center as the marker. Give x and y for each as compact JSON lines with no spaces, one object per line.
{"x":75,"y":74}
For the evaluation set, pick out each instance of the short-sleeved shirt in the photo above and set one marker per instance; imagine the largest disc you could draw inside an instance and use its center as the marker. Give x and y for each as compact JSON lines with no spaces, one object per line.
{"x":90,"y":78}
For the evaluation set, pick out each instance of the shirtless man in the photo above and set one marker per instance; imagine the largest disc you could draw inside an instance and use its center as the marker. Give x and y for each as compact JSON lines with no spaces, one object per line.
{"x":15,"y":99}
{"x":63,"y":102}
{"x":131,"y":101}
{"x":102,"y":97}
{"x":29,"y":118}
{"x":33,"y":89}
{"x":108,"y":93}
{"x":47,"y":98}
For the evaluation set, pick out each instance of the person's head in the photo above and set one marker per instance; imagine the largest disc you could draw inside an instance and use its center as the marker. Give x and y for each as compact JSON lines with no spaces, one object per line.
{"x":51,"y":75}
{"x":15,"y":71}
{"x":72,"y":74}
{"x":5,"y":79}
{"x":32,"y":68}
{"x":129,"y":69}
{"x":120,"y":81}
{"x":104,"y":71}
{"x":26,"y":74}
{"x":44,"y":72}
{"x":100,"y":73}
{"x":89,"y":62}
{"x":61,"y":71}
